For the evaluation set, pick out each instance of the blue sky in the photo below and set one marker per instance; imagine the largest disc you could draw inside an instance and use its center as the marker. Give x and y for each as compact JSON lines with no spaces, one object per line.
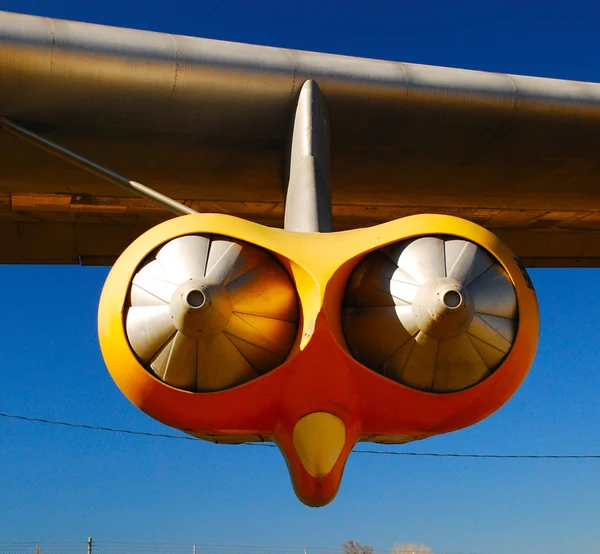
{"x":59,"y":484}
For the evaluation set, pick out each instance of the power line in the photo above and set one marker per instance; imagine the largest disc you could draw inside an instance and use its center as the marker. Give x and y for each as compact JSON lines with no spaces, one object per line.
{"x":95,"y":427}
{"x":109,"y":429}
{"x":269,"y":445}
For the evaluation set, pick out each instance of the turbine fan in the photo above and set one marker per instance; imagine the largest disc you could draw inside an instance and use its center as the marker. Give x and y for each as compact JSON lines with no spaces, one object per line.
{"x":434,"y":313}
{"x":209,"y":312}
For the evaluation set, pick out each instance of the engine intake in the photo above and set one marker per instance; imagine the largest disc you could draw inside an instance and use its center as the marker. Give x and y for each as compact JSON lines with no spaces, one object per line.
{"x":434,"y":313}
{"x":207,"y":313}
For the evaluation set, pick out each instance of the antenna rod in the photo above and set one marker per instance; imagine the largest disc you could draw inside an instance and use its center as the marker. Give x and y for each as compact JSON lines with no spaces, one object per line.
{"x":132,"y":186}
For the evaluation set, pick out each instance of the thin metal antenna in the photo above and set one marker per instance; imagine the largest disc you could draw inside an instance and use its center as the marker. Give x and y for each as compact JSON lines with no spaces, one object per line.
{"x":308,"y":194}
{"x":102,"y":172}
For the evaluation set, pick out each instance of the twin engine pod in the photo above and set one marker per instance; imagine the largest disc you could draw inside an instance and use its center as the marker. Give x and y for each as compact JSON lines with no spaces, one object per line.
{"x":235,"y":332}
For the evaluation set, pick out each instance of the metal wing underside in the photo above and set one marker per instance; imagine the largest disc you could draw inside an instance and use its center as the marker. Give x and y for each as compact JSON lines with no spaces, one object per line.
{"x":207,"y":122}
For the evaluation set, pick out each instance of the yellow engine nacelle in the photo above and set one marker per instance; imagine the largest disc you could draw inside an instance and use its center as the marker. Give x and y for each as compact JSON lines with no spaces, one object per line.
{"x":233,"y":332}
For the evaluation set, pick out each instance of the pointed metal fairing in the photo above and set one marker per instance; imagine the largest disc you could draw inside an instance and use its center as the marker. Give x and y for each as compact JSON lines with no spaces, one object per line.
{"x":308,"y":194}
{"x":208,"y":313}
{"x":434,"y":313}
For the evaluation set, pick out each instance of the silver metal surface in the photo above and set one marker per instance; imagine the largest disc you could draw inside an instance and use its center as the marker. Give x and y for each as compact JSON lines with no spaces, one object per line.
{"x":102,"y":172}
{"x":208,"y":313}
{"x":195,"y":85}
{"x":434,"y":313}
{"x":208,"y":122}
{"x":308,"y":194}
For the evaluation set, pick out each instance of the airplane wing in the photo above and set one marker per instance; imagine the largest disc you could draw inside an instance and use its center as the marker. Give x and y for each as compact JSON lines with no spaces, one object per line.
{"x":207,"y":122}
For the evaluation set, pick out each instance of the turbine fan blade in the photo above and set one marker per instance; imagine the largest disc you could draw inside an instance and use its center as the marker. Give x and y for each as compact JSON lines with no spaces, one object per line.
{"x":481,"y":330}
{"x":370,"y":282}
{"x":184,"y":258}
{"x":176,"y":363}
{"x":148,"y":328}
{"x":221,"y":365}
{"x":423,"y":259}
{"x":493,"y":293}
{"x":419,"y":370}
{"x":374,"y":334}
{"x":459,"y":365}
{"x":222,"y":257}
{"x":260,"y":359}
{"x":507,"y":328}
{"x":465,"y":261}
{"x":491,"y":356}
{"x":264,"y":291}
{"x":146,"y":286}
{"x":273,"y":335}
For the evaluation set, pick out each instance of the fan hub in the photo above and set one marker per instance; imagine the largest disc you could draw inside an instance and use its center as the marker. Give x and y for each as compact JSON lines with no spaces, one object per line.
{"x":200,"y":308}
{"x":443,"y":308}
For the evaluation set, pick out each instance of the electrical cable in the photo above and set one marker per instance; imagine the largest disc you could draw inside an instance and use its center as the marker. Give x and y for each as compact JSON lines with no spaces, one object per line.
{"x":270,"y":445}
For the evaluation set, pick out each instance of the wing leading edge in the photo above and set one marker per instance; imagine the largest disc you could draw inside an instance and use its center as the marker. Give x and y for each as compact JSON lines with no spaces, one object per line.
{"x":207,"y":122}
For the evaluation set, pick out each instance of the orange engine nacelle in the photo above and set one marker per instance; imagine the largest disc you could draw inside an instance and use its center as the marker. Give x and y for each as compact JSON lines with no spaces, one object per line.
{"x":236,"y":332}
